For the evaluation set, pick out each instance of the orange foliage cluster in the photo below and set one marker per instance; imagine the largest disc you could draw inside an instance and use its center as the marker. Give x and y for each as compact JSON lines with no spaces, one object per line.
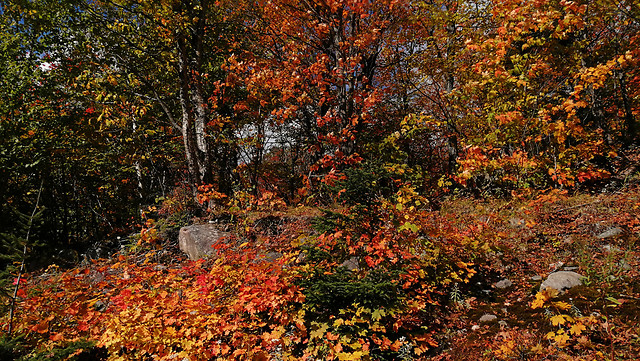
{"x":202,"y":310}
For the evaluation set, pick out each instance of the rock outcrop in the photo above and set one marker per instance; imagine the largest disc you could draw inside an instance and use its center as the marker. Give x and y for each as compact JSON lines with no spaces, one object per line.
{"x":197,"y":240}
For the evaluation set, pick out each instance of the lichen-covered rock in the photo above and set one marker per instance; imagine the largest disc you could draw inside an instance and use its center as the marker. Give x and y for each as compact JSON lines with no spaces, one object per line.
{"x":562,"y":280}
{"x":197,"y":240}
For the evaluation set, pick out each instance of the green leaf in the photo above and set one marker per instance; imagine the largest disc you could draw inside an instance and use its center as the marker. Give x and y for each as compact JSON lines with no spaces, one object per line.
{"x":378,"y":314}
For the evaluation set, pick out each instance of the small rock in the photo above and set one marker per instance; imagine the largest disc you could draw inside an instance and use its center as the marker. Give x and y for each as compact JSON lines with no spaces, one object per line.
{"x":572,"y":268}
{"x":610,"y":248}
{"x":99,"y":306}
{"x":488,"y":317}
{"x":159,"y":267}
{"x":352,"y":264}
{"x":556,"y":265}
{"x":270,"y":256}
{"x":302,"y":257}
{"x":536,"y":278}
{"x":611,"y":232}
{"x":503,"y":324}
{"x":624,"y":265}
{"x":475,"y":328}
{"x":562,"y":280}
{"x":517,"y":222}
{"x":504,"y":283}
{"x":96,"y":277}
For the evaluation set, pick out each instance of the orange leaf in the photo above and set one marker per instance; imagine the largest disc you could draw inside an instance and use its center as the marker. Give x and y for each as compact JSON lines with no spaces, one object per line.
{"x":57,"y":337}
{"x":42,"y":327}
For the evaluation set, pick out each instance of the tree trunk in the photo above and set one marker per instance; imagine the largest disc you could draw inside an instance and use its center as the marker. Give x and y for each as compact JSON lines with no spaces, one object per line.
{"x":197,"y":99}
{"x":187,"y":120}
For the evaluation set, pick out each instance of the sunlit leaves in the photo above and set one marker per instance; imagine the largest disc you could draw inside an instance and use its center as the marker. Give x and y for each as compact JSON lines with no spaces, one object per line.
{"x":569,"y":324}
{"x":316,"y":70}
{"x":545,"y":81}
{"x":161,"y":311}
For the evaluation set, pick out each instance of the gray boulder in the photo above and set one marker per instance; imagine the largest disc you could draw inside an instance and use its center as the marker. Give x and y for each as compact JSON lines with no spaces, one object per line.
{"x":197,"y":240}
{"x":562,"y":280}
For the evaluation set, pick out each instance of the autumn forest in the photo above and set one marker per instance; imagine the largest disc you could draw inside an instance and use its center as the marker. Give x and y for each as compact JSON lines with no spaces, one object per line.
{"x":391,"y":180}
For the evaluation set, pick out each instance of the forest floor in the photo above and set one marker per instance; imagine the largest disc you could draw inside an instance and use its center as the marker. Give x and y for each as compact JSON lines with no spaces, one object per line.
{"x":595,"y":235}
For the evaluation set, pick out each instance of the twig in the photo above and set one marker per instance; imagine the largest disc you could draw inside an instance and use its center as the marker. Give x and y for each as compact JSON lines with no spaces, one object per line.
{"x":629,"y":297}
{"x":24,"y":256}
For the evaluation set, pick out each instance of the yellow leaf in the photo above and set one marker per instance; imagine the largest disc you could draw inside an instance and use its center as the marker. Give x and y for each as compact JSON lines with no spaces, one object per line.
{"x":561,"y":339}
{"x":558,"y":320}
{"x":562,"y":305}
{"x":539,"y":301}
{"x":420,"y":349}
{"x":507,"y":348}
{"x":551,"y":292}
{"x":350,"y":356}
{"x":319,"y":333}
{"x":537,"y":349}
